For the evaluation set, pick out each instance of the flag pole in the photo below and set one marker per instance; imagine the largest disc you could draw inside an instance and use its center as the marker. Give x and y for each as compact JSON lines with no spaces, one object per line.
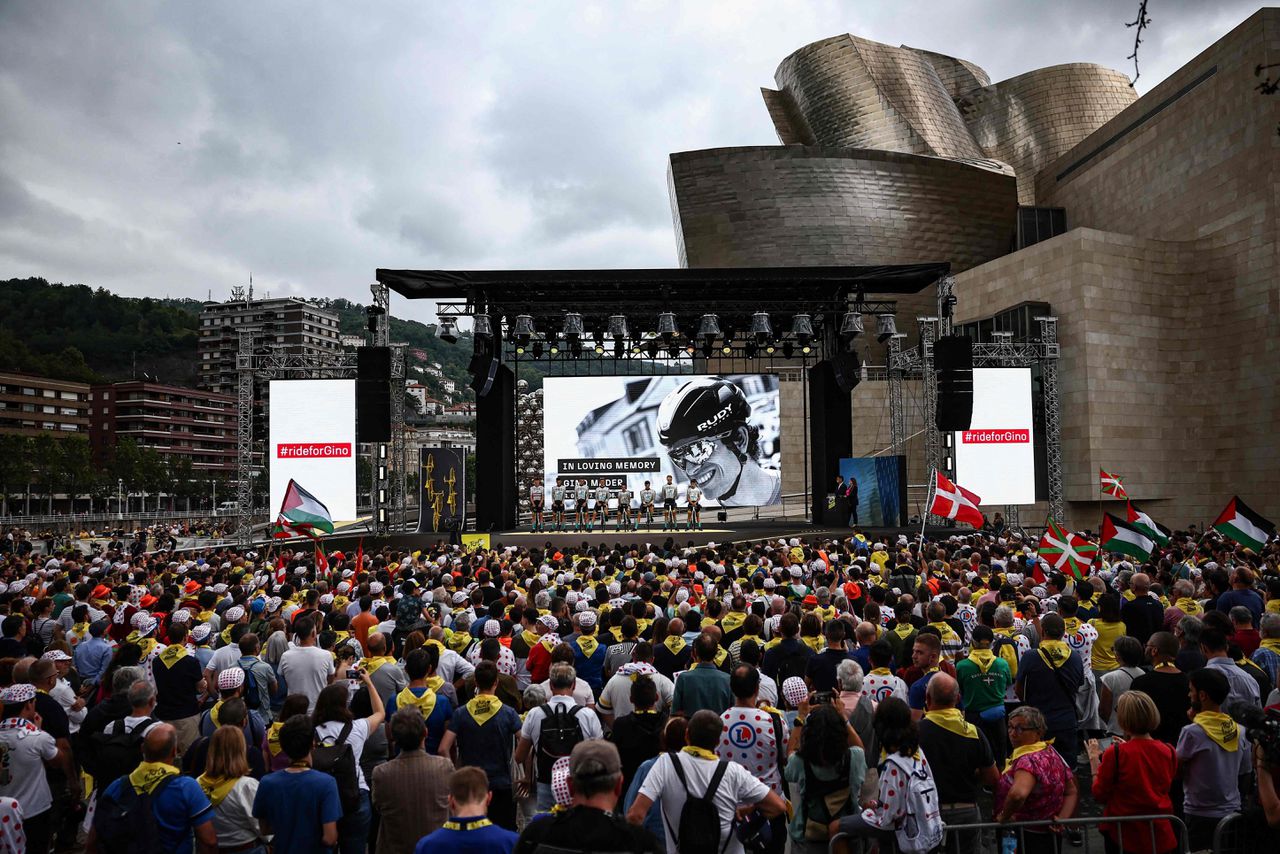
{"x":924,"y":517}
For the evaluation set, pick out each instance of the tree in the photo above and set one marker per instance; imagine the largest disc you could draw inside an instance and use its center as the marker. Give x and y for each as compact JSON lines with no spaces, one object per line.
{"x":15,"y":467}
{"x":75,"y":467}
{"x":47,"y":459}
{"x":125,"y":464}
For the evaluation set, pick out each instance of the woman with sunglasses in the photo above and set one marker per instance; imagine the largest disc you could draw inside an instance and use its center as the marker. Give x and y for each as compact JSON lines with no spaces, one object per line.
{"x":1036,"y":785}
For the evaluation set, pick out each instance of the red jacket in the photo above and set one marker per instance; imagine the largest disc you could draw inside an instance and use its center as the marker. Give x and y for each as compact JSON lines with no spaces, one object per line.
{"x":1134,"y":778}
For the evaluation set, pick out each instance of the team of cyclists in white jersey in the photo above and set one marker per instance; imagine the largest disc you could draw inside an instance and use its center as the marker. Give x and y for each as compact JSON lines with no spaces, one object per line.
{"x":578,"y":506}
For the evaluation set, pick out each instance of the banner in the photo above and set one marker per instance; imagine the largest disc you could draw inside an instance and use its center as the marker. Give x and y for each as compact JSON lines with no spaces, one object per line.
{"x":996,"y":456}
{"x":442,"y":490}
{"x":312,"y":441}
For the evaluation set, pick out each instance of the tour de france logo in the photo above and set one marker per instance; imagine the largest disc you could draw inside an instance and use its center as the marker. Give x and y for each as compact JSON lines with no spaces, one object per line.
{"x":742,"y":735}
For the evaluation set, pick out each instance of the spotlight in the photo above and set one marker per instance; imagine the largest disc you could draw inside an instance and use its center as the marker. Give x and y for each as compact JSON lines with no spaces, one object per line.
{"x":537,"y":349}
{"x":761,"y":329}
{"x":851,"y":324}
{"x":707,"y":348}
{"x":802,"y":329}
{"x":886,"y":327}
{"x":572,"y":326}
{"x":555,"y":348}
{"x":726,"y":349}
{"x":667,"y":326}
{"x":519,"y":349}
{"x":806,"y":348}
{"x":522,"y":329}
{"x":599,"y":348}
{"x":651,"y":347}
{"x":619,"y":347}
{"x":575,"y":348}
{"x":709,"y":328}
{"x":448,"y":330}
{"x":482,"y":328}
{"x":373,"y":312}
{"x":788,"y":349}
{"x":673,"y":350}
{"x":618,"y":327}
{"x":750,"y":348}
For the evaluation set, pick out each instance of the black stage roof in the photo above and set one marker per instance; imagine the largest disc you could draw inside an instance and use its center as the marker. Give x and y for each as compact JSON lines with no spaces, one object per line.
{"x":585,"y":288}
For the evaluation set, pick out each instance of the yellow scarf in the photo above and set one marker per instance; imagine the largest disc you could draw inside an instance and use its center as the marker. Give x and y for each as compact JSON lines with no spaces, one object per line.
{"x":1190,"y":607}
{"x":1072,"y":625}
{"x":273,"y":738}
{"x":547,"y":643}
{"x":721,"y":655}
{"x":172,"y":654}
{"x":945,"y":631}
{"x":882,"y":671}
{"x":530,"y":638}
{"x":903,"y":629}
{"x":675,"y":643}
{"x":341,"y":637}
{"x":372,"y":665}
{"x":1130,"y":595}
{"x":952,"y":720}
{"x":225,"y":634}
{"x":435,"y":683}
{"x":216,"y":789}
{"x":459,"y":641}
{"x":424,"y":704}
{"x":827,"y":614}
{"x":588,"y":644}
{"x":147,"y":775}
{"x":984,"y":658}
{"x":814,"y":643}
{"x":1019,"y":752}
{"x":80,"y":629}
{"x":147,"y":645}
{"x":1054,"y":652}
{"x":480,"y":822}
{"x":1221,"y":728}
{"x":1272,"y":644}
{"x":482,"y":707}
{"x":340,"y":603}
{"x":732,"y":621}
{"x":699,"y":752}
{"x":213,"y":713}
{"x":1273,"y":606}
{"x":204,"y":616}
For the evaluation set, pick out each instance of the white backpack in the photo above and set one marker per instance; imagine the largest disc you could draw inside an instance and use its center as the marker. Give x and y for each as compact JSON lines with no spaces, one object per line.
{"x":921,"y":829}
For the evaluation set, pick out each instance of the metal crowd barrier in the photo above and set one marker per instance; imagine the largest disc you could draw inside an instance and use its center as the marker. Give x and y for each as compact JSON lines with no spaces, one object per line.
{"x":1020,"y":828}
{"x":1236,"y":835}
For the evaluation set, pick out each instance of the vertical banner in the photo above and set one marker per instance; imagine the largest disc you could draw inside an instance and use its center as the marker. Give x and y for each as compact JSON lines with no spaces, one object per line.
{"x":442,"y":490}
{"x":312,"y":441}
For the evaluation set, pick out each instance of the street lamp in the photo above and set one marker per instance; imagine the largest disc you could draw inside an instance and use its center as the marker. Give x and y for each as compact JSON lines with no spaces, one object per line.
{"x":120,"y":497}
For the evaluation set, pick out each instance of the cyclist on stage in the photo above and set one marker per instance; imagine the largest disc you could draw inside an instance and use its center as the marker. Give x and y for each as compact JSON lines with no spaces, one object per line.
{"x":626,"y":522}
{"x":670,"y":492}
{"x":602,"y":503}
{"x":535,"y":503}
{"x":557,"y":504}
{"x":588,"y":495}
{"x":574,"y":504}
{"x":693,"y":510}
{"x":647,"y":497}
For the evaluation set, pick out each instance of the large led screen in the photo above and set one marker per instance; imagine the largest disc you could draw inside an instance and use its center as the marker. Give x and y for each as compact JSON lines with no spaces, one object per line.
{"x":313,"y":441}
{"x":721,"y":430}
{"x":995,"y":457}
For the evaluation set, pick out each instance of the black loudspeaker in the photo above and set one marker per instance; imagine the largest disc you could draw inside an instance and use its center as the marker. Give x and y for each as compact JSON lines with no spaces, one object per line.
{"x":847,"y":369}
{"x":953,"y":362}
{"x":830,"y":434}
{"x":373,"y":394}
{"x":496,"y":453}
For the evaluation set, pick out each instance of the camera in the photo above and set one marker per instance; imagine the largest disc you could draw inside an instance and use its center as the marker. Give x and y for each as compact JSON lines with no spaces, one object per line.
{"x":821,"y":698}
{"x":1262,"y":728}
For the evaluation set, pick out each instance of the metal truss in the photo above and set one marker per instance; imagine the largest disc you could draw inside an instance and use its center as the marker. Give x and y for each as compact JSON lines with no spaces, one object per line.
{"x":381,"y":337}
{"x":1052,"y":414}
{"x":897,"y":407}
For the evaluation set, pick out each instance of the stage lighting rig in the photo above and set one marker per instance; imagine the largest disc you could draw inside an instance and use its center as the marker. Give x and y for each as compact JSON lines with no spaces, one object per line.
{"x":448,"y":330}
{"x":667,"y":326}
{"x":618,"y":327}
{"x":537,"y":349}
{"x":886,"y":327}
{"x":851,"y":324}
{"x":709,"y":328}
{"x":482,"y":326}
{"x":572,"y":326}
{"x":802,"y":331}
{"x":522,"y":330}
{"x":651,"y":347}
{"x":761,"y":329}
{"x":788,"y":349}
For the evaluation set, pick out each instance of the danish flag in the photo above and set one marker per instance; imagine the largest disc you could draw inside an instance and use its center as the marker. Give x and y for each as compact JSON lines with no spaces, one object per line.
{"x":955,"y":502}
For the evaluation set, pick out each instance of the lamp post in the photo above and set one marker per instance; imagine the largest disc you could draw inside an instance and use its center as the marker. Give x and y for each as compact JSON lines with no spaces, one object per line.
{"x":120,"y":497}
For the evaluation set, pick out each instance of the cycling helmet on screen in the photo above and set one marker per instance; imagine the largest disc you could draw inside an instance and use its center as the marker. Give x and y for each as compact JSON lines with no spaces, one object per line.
{"x":705,"y":407}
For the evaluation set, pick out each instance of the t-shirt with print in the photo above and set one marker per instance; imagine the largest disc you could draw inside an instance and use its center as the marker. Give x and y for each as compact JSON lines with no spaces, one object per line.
{"x":881,"y":684}
{"x":23,"y":751}
{"x":749,"y":739}
{"x":297,"y":805}
{"x":737,"y":787}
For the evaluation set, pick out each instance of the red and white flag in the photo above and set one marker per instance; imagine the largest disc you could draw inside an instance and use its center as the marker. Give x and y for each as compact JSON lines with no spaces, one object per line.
{"x":955,"y":502}
{"x":1112,"y":487}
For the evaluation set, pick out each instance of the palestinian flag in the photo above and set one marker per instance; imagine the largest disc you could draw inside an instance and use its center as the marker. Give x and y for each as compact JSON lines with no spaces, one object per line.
{"x":1148,"y":526}
{"x":1111,"y":485}
{"x":1119,"y":536}
{"x":1244,"y":526}
{"x":1067,"y":552}
{"x":302,"y":512}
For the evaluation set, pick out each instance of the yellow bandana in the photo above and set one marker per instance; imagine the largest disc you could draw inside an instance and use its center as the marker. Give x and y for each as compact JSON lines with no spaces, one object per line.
{"x":732,"y":621}
{"x":226,"y":636}
{"x":1054,"y":652}
{"x":1221,"y":728}
{"x":882,"y":671}
{"x":1072,"y":624}
{"x":483,"y":706}
{"x":814,"y":643}
{"x":371,"y":665}
{"x":827,"y":614}
{"x":172,"y":654}
{"x":903,"y":629}
{"x":984,"y":658}
{"x":675,"y":643}
{"x":215,"y":788}
{"x":470,"y":825}
{"x":1019,"y":752}
{"x":80,"y":629}
{"x":435,"y":683}
{"x":1190,"y":607}
{"x":699,"y":752}
{"x":530,"y":638}
{"x":213,"y":713}
{"x":147,"y":775}
{"x":588,"y":644}
{"x":1273,"y":606}
{"x":548,"y":643}
{"x":1130,"y":595}
{"x":204,"y":616}
{"x":1272,"y":644}
{"x":771,"y":644}
{"x":273,"y":738}
{"x":952,"y":720}
{"x":721,"y":655}
{"x":424,"y":704}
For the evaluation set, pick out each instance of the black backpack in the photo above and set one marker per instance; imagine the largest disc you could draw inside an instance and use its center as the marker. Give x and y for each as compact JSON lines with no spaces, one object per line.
{"x":560,"y":733}
{"x":699,"y":829}
{"x":115,"y":753}
{"x":339,"y":762}
{"x":126,"y":824}
{"x":252,"y":698}
{"x":793,"y":665}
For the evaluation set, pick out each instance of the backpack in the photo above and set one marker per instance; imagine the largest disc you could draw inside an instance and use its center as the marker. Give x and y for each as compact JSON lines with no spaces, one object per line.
{"x":699,"y":823}
{"x":921,"y":829}
{"x":1002,"y":643}
{"x":127,"y":824}
{"x":792,"y":665}
{"x":560,"y":733}
{"x":825,"y":800}
{"x":252,"y":698}
{"x":115,"y":752}
{"x":339,"y":762}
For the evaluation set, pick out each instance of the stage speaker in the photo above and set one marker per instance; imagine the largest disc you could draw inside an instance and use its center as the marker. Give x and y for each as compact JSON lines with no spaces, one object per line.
{"x":830,"y":434}
{"x":496,"y":454}
{"x":847,"y":369}
{"x":953,"y":363}
{"x":373,"y":394}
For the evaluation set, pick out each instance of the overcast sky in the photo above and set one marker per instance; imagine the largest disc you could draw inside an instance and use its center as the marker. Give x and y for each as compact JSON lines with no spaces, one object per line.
{"x":158,"y":148}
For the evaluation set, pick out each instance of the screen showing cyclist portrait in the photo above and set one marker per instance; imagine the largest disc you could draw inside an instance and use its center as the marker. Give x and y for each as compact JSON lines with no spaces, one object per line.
{"x":720,"y":431}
